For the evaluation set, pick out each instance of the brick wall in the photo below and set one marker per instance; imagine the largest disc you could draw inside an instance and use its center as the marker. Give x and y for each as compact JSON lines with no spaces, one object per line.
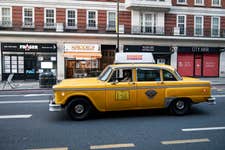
{"x":125,"y":19}
{"x":60,"y":15}
{"x":81,"y":20}
{"x":102,"y":20}
{"x":17,"y":17}
{"x":39,"y":18}
{"x":190,"y":25}
{"x":207,"y":25}
{"x":170,"y":23}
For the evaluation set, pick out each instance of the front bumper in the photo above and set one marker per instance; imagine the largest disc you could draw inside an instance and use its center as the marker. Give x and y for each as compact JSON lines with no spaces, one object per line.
{"x":53,"y":106}
{"x":211,"y":100}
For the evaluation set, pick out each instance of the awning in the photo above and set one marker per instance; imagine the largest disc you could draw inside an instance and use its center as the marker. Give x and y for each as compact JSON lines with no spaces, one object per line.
{"x":83,"y":55}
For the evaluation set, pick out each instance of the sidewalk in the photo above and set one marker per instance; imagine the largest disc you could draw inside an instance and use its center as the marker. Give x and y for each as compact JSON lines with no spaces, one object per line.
{"x":34,"y":85}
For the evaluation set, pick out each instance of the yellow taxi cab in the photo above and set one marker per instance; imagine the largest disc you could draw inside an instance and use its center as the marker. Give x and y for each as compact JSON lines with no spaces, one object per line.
{"x":130,"y":87}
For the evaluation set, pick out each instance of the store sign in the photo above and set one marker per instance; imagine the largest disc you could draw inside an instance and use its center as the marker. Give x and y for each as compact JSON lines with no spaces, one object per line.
{"x":29,"y":47}
{"x":148,"y":48}
{"x":121,"y":58}
{"x":199,"y":49}
{"x":82,"y":48}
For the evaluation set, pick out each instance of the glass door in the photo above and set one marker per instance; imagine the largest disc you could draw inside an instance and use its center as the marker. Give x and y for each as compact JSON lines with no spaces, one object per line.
{"x":30,"y":66}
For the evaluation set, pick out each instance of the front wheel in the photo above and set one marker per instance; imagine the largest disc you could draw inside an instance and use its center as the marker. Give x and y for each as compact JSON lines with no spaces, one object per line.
{"x":79,"y":109}
{"x":180,"y":107}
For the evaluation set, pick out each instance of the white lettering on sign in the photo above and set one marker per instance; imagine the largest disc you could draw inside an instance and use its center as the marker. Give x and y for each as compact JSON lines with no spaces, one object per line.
{"x":28,"y":47}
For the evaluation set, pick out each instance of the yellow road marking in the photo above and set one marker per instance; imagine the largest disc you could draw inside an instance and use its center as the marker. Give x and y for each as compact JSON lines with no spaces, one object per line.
{"x":112,"y":146}
{"x":185,"y":141}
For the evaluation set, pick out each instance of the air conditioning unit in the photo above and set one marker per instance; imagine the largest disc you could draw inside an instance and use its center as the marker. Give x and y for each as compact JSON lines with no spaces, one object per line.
{"x":176,"y":31}
{"x":59,"y":27}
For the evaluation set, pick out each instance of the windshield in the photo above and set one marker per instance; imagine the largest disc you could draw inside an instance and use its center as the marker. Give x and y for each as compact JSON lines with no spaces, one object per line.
{"x":105,"y":73}
{"x":177,"y":74}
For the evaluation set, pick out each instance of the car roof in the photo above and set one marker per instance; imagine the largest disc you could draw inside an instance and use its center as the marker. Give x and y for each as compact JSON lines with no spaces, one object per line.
{"x":142,"y":65}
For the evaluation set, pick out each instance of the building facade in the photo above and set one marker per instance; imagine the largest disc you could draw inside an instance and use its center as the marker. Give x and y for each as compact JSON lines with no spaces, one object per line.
{"x":75,"y":38}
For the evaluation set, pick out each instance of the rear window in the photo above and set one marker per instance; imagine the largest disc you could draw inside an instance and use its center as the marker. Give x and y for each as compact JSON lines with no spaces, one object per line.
{"x":148,"y":75}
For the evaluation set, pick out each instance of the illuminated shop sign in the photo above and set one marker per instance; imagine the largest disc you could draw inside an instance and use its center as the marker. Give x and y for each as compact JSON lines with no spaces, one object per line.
{"x":82,"y":48}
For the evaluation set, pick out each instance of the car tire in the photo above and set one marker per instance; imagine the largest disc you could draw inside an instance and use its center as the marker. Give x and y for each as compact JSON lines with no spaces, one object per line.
{"x":79,"y":109}
{"x":180,"y":107}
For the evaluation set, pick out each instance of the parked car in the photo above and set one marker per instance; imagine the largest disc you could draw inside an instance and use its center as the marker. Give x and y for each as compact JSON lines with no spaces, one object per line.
{"x":150,"y":86}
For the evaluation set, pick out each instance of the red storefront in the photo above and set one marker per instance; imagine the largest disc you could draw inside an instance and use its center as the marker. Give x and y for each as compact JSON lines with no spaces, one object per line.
{"x":198,"y":61}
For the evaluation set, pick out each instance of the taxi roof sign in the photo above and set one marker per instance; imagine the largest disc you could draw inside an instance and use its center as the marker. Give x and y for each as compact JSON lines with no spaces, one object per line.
{"x":141,"y":58}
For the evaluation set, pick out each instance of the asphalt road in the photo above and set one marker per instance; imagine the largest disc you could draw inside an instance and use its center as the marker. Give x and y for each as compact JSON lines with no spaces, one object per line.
{"x":26,"y":123}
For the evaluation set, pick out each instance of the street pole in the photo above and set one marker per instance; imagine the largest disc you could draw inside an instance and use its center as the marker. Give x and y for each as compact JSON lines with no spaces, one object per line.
{"x":117,"y":27}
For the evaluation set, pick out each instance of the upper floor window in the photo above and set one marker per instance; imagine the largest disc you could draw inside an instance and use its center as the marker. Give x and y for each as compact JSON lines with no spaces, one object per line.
{"x":6,"y":17}
{"x":71,"y":19}
{"x":28,"y":17}
{"x":215,"y":26}
{"x":181,"y":1}
{"x":149,"y":23}
{"x":50,"y":18}
{"x":181,"y":23}
{"x":199,"y":25}
{"x":216,"y":2}
{"x":92,"y":20}
{"x":111,"y":20}
{"x":199,"y":2}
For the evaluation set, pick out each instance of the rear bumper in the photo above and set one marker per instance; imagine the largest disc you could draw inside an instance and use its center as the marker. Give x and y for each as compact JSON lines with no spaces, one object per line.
{"x":211,"y":100}
{"x":53,"y":106}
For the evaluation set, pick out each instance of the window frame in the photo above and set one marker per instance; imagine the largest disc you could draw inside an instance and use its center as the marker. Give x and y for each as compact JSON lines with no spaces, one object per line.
{"x":218,"y":34}
{"x":185,"y":24}
{"x":96,"y":20}
{"x":67,"y":17}
{"x":202,"y":26}
{"x":182,"y":3}
{"x":45,"y":18}
{"x":216,"y":5}
{"x":152,"y":22}
{"x":108,"y":24}
{"x":33,"y":18}
{"x":10,"y":17}
{"x":146,"y":68}
{"x":200,"y":4}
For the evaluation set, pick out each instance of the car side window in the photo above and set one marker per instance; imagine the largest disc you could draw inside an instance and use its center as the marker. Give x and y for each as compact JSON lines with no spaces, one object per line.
{"x":168,"y":76}
{"x":148,"y":75}
{"x":121,"y":75}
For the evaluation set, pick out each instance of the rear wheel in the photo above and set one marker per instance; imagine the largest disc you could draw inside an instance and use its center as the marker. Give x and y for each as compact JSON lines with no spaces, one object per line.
{"x":79,"y":109}
{"x":180,"y":107}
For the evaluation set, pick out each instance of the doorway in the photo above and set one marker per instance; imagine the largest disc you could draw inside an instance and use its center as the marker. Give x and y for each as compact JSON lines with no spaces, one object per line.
{"x":30,"y":66}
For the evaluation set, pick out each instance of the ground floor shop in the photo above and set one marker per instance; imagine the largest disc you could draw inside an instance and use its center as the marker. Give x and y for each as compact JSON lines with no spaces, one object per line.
{"x":199,"y":61}
{"x":74,"y":57}
{"x":28,"y":60}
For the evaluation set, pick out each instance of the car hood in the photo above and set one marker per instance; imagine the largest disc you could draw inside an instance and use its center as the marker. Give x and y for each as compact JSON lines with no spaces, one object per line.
{"x":78,"y":82}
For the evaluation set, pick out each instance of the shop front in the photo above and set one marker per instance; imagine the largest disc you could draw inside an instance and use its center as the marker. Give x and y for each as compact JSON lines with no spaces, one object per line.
{"x":198,"y":61}
{"x":27,"y":60}
{"x":161,"y":54}
{"x":82,"y":60}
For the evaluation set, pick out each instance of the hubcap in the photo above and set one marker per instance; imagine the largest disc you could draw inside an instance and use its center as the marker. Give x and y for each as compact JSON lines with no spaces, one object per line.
{"x":79,"y":109}
{"x":180,"y":105}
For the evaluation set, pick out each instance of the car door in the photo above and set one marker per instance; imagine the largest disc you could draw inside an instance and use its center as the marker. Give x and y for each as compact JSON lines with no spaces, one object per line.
{"x":150,"y":89}
{"x":120,"y":94}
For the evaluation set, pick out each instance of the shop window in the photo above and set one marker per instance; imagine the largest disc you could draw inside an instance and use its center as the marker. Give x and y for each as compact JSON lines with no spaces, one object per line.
{"x":13,"y":64}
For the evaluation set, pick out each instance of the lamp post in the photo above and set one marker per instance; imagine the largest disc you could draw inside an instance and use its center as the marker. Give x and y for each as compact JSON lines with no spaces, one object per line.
{"x":117,"y":27}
